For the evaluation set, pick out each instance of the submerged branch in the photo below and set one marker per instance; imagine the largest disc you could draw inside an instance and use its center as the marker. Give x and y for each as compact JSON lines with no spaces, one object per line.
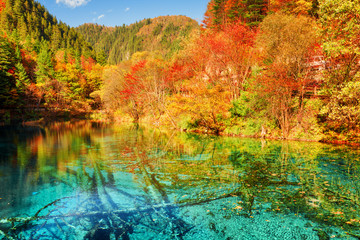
{"x":129,"y":211}
{"x":354,"y":235}
{"x":5,"y":235}
{"x":48,"y":205}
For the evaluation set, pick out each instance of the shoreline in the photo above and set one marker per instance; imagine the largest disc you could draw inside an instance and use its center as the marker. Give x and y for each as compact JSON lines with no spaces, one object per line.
{"x":43,"y":122}
{"x":334,"y":142}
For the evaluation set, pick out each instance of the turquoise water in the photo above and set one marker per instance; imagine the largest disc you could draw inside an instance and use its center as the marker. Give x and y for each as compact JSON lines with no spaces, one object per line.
{"x":90,"y":181}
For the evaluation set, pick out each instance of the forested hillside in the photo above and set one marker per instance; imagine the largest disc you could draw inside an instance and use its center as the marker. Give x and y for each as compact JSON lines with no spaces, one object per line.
{"x":163,"y":34}
{"x":43,"y":63}
{"x":33,"y":23}
{"x":46,"y":65}
{"x":279,"y":69}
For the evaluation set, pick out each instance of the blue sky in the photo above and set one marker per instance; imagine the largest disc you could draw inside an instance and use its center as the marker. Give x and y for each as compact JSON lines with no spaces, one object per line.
{"x":119,"y":12}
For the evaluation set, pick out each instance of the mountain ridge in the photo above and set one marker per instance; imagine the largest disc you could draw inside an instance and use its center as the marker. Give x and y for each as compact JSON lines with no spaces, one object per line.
{"x":163,"y":34}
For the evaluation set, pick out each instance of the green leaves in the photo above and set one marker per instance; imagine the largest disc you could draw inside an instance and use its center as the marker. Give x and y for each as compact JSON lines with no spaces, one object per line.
{"x":341,"y":26}
{"x":344,"y":107}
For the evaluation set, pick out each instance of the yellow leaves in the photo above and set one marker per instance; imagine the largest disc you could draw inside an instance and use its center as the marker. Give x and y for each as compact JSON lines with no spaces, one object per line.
{"x":338,"y":213}
{"x":302,"y":7}
{"x":238,"y":208}
{"x":201,"y":103}
{"x":352,"y":221}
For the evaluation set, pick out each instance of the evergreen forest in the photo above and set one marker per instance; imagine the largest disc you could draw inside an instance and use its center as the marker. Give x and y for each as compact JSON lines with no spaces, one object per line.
{"x":277,"y":69}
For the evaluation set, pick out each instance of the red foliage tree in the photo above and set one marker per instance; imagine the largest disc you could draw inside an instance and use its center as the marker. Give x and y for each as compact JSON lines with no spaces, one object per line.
{"x":2,"y":5}
{"x":87,"y":63}
{"x":173,"y":74}
{"x":225,"y":57}
{"x":133,"y":89}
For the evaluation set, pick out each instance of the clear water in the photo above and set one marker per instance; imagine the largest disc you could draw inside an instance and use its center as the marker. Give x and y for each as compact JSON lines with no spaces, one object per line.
{"x":89,"y":181}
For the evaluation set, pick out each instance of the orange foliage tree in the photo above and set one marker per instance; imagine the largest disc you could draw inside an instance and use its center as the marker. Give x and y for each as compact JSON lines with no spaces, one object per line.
{"x":140,"y":86}
{"x":215,"y":67}
{"x":287,"y":70}
{"x":224,"y":57}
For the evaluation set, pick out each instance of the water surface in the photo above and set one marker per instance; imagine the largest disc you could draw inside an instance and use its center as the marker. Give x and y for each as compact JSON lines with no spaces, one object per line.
{"x":88,"y":181}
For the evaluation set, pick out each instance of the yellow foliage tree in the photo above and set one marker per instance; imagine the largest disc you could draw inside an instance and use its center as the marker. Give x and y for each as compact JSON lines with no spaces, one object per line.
{"x":201,"y":106}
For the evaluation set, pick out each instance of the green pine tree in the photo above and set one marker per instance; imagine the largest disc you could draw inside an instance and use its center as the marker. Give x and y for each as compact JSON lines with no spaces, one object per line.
{"x":7,"y":80}
{"x":45,"y":69}
{"x":56,"y":38}
{"x":101,"y":57}
{"x":22,"y":79}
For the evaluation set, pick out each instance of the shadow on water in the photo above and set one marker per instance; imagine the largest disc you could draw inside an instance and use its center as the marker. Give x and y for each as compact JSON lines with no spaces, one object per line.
{"x":13,"y":135}
{"x":89,"y":181}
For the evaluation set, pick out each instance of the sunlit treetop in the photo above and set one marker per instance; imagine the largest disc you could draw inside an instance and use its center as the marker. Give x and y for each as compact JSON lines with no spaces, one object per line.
{"x":252,"y":12}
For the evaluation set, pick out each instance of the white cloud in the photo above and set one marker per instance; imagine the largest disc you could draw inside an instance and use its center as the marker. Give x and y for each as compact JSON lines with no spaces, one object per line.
{"x":127,"y":9}
{"x":96,"y":19}
{"x":73,"y":3}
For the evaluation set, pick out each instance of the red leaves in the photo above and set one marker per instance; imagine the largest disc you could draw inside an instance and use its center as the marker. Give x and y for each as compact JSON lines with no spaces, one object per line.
{"x":138,"y":66}
{"x":87,"y":64}
{"x":240,"y":34}
{"x":132,"y":78}
{"x":132,"y":82}
{"x":175,"y":72}
{"x":233,"y":37}
{"x":226,"y":56}
{"x":2,"y":5}
{"x":70,"y":59}
{"x":277,"y":81}
{"x":11,"y":71}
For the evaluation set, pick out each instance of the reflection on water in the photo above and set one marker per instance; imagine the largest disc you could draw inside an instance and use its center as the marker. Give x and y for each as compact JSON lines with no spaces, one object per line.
{"x":89,"y":181}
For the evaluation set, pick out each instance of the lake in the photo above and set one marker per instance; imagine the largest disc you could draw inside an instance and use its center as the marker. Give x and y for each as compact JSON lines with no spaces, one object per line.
{"x":83,"y":180}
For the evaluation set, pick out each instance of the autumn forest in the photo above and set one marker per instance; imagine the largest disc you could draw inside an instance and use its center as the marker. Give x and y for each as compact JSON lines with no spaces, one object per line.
{"x":278,"y":69}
